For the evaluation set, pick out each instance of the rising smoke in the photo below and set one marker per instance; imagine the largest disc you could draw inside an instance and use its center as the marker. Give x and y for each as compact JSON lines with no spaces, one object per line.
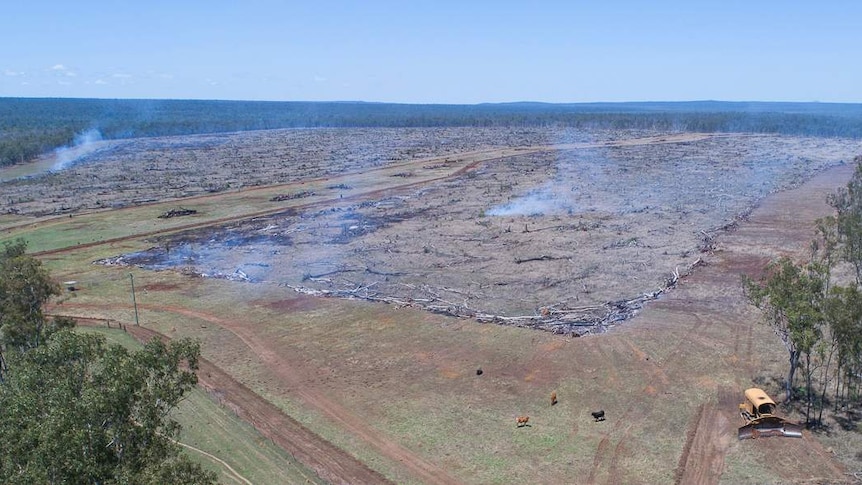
{"x":560,"y":194}
{"x":550,"y":199}
{"x":83,"y":144}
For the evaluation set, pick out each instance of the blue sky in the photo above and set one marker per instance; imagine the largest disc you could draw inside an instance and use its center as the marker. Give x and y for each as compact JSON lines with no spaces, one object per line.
{"x":433,"y":51}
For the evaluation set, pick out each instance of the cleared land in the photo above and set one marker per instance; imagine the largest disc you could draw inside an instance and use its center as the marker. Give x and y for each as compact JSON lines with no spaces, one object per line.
{"x":396,"y":387}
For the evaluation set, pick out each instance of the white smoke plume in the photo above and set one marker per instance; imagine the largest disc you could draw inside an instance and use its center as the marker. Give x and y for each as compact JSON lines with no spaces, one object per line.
{"x":84,"y":143}
{"x":547,"y":200}
{"x":559,"y":195}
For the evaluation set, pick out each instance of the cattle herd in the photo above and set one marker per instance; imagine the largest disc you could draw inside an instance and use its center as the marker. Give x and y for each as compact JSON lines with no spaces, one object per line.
{"x":522,"y":421}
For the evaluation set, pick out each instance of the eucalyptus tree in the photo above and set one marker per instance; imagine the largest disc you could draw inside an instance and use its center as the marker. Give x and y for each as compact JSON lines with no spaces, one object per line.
{"x":76,"y":410}
{"x":791,"y":298}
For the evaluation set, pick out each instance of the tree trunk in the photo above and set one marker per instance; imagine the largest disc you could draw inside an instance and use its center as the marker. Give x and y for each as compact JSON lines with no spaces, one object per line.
{"x":838,"y":378}
{"x":809,"y":395}
{"x":825,"y":383}
{"x":788,"y":386}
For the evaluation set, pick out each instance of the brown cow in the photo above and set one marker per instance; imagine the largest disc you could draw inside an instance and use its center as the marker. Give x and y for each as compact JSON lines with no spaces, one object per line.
{"x":554,"y":398}
{"x":522,"y":420}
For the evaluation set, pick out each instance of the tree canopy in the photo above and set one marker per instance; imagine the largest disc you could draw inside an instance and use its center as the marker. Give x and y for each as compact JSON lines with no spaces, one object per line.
{"x":24,"y":287}
{"x":819,"y":321}
{"x":74,"y":409}
{"x":791,"y":297}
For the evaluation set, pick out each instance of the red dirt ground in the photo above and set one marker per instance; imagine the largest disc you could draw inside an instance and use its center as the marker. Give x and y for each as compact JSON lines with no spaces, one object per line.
{"x":706,"y":311}
{"x":782,"y":225}
{"x":704,"y":319}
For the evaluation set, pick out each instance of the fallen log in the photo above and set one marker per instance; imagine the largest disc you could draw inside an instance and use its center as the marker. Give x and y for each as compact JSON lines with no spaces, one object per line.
{"x":537,"y":258}
{"x":298,"y":195}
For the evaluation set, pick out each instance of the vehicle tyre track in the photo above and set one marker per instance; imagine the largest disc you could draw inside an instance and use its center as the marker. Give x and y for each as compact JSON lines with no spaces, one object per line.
{"x":422,"y":469}
{"x":329,"y":462}
{"x":627,"y":420}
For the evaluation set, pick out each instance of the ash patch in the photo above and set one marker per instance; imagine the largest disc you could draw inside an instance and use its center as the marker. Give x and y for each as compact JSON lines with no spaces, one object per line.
{"x":244,"y":250}
{"x":357,"y":223}
{"x":199,"y":261}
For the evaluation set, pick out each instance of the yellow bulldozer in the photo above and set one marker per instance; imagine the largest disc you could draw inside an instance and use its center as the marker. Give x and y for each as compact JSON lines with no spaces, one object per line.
{"x":757,"y":411}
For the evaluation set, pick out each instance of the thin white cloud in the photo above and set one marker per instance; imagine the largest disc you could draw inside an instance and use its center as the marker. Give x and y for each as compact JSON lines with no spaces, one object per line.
{"x":159,"y":75}
{"x":319,"y":79}
{"x":62,"y":70}
{"x":100,"y":82}
{"x":10,"y":73}
{"x":121,"y":75}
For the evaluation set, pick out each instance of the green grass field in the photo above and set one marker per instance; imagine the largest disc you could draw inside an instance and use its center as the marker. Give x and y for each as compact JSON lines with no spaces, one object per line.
{"x":214,"y":437}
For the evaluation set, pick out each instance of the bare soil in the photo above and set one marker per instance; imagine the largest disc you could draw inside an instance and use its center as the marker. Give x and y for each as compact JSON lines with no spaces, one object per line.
{"x":574,"y":238}
{"x":605,"y":218}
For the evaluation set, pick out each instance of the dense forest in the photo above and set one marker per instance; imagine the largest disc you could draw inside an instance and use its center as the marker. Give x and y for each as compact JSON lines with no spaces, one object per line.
{"x":32,"y":126}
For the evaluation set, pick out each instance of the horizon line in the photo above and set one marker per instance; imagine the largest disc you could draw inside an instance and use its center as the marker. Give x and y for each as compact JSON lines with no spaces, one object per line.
{"x":406,"y":103}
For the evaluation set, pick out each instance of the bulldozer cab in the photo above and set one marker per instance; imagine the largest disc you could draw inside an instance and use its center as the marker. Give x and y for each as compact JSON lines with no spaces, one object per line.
{"x":757,"y":411}
{"x":758,"y":403}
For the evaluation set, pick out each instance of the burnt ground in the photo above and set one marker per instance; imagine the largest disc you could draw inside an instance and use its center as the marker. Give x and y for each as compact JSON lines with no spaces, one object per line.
{"x":692,"y":350}
{"x":566,"y":239}
{"x":120,"y":173}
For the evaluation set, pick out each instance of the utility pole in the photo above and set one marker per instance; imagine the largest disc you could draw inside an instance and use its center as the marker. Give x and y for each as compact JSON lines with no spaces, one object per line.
{"x":134,"y":301}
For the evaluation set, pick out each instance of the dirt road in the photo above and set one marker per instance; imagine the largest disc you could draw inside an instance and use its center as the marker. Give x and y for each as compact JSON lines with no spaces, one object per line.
{"x":329,"y":462}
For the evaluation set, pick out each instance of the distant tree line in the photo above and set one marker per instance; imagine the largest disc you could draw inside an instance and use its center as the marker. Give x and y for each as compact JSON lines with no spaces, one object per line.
{"x":817,"y":316}
{"x":32,"y":126}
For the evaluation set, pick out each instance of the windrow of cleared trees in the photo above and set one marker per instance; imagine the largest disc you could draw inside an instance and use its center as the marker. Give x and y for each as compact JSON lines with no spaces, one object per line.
{"x":74,"y":409}
{"x":815,"y":308}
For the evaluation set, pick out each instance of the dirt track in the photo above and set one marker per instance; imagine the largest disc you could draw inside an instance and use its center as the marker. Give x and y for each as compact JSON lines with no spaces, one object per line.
{"x":329,"y":462}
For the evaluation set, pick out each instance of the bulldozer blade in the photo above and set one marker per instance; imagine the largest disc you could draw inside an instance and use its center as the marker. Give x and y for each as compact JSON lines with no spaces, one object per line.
{"x":769,"y":426}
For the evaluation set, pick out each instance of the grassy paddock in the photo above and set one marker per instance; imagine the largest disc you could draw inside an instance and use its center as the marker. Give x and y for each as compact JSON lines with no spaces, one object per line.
{"x":220,"y":440}
{"x":411,"y":377}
